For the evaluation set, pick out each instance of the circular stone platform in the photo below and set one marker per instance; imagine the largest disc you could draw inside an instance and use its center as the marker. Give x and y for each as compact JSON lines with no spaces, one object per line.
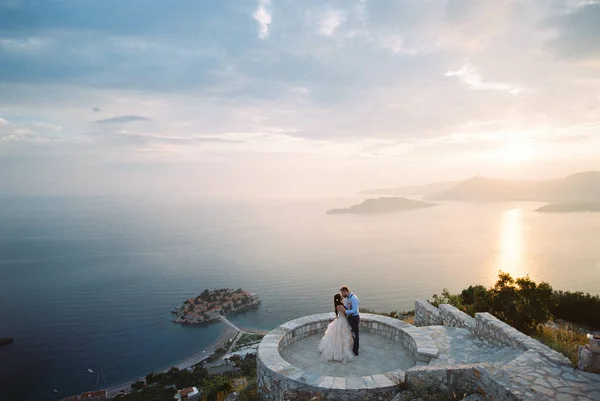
{"x":288,"y":360}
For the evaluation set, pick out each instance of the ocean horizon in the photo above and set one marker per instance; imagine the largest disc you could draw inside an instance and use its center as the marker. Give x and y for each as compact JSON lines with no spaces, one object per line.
{"x":91,"y":282}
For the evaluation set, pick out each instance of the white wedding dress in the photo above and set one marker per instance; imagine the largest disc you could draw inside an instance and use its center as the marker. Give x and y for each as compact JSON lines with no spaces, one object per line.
{"x":336,"y":344}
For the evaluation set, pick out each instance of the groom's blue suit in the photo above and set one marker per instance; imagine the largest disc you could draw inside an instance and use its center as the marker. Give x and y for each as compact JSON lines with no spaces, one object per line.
{"x":353,"y":318}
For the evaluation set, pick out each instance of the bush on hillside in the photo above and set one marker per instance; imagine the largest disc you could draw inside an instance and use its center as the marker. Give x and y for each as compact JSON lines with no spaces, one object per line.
{"x":525,"y":304}
{"x":577,"y":307}
{"x":521,"y":303}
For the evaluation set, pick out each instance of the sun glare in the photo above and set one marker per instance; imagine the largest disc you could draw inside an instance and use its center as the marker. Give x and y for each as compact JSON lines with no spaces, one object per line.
{"x":515,"y":153}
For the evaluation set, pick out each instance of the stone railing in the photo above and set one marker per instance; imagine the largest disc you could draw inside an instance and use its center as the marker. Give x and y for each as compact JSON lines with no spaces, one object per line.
{"x":496,"y":331}
{"x":485,"y":326}
{"x":426,"y":314}
{"x":453,"y":317}
{"x":415,"y":340}
{"x":277,"y":377}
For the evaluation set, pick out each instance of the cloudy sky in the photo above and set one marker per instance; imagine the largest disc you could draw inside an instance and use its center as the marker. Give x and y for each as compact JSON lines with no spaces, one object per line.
{"x":293,"y":97}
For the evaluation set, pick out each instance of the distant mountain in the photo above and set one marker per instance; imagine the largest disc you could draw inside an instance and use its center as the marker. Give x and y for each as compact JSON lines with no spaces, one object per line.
{"x":569,"y":207}
{"x":426,"y":189}
{"x":382,"y":205}
{"x":580,"y":188}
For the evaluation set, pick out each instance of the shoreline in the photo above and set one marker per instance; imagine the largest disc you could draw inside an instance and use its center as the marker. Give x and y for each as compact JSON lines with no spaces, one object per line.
{"x":194,"y":359}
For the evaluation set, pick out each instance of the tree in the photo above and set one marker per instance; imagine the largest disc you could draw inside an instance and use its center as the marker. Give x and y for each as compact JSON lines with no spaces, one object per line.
{"x":475,"y":299}
{"x":218,"y":384}
{"x":138,"y":385}
{"x":521,"y":303}
{"x":447,"y":298}
{"x":247,"y":365}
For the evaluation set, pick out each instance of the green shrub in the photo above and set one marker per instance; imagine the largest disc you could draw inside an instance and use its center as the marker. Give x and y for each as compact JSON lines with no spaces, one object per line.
{"x":138,"y":385}
{"x":577,"y":307}
{"x":521,"y":303}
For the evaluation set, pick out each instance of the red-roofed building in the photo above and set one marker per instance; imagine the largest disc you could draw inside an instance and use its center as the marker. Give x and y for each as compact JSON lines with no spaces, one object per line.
{"x":187,"y":394}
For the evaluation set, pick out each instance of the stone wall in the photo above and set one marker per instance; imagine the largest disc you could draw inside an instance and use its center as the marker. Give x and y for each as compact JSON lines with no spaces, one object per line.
{"x":485,"y":326}
{"x":587,"y":359}
{"x":412,"y":338}
{"x":278,"y":379}
{"x":496,"y":331}
{"x":452,"y":317}
{"x":426,"y":314}
{"x":426,"y":382}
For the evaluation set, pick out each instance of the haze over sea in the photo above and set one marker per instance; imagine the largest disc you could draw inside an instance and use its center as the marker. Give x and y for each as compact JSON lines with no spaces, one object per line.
{"x":90,"y":283}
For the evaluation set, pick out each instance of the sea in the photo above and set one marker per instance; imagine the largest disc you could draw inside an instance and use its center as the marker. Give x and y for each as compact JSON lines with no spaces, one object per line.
{"x":89,"y":283}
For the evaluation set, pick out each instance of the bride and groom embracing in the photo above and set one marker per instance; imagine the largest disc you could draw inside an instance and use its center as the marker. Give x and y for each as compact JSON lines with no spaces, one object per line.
{"x":340,"y":342}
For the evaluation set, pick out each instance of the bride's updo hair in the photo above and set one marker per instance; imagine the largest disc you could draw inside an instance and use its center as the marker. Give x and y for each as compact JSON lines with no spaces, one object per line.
{"x":337,"y":300}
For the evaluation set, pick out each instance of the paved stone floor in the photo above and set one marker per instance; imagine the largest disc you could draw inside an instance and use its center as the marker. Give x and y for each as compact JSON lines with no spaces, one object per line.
{"x":459,"y":346}
{"x":528,"y":375}
{"x":377,"y":355}
{"x":535,"y":378}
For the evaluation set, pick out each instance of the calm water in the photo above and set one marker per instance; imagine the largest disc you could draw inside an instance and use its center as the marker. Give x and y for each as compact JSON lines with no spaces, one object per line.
{"x":89,"y":283}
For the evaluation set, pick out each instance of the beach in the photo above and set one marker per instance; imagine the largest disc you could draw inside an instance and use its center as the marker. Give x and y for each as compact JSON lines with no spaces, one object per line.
{"x":229,"y":334}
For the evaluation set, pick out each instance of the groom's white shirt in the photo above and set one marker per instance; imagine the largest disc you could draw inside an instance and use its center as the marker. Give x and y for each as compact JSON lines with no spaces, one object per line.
{"x":351,"y":304}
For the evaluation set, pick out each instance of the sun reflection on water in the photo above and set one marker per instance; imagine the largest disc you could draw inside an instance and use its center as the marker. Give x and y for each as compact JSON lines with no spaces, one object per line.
{"x":511,"y":244}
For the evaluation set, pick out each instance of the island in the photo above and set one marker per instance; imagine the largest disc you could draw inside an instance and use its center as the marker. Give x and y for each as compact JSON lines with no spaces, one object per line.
{"x":383,"y":205}
{"x":6,"y":340}
{"x":569,"y":207}
{"x":413,"y":190}
{"x":211,"y":304}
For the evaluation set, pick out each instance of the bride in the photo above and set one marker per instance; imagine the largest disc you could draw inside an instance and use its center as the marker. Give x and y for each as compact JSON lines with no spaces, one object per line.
{"x":336,"y":344}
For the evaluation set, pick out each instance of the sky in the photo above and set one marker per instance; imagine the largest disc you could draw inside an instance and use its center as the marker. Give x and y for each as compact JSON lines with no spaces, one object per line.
{"x":293,"y":98}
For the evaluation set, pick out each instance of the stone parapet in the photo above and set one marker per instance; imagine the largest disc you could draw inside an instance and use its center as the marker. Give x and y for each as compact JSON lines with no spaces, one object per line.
{"x":277,"y":378}
{"x":453,"y":317}
{"x":496,"y":331}
{"x":426,"y":314}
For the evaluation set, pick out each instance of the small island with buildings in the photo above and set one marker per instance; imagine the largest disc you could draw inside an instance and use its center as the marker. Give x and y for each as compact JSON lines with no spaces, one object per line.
{"x":211,"y":304}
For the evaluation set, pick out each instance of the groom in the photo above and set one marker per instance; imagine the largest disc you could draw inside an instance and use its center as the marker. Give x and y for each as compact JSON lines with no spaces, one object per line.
{"x":351,"y":303}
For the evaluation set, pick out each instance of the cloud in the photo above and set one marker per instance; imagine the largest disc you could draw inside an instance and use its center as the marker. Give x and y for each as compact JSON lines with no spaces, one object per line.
{"x":578,"y":32}
{"x":263,"y":16}
{"x":469,"y":75}
{"x":23,"y":133}
{"x":29,"y":44}
{"x":122,"y":120}
{"x":343,"y":82}
{"x":331,"y":21}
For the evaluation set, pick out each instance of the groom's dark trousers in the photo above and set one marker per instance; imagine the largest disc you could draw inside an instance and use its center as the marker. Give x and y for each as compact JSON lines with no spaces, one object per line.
{"x":354,"y":320}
